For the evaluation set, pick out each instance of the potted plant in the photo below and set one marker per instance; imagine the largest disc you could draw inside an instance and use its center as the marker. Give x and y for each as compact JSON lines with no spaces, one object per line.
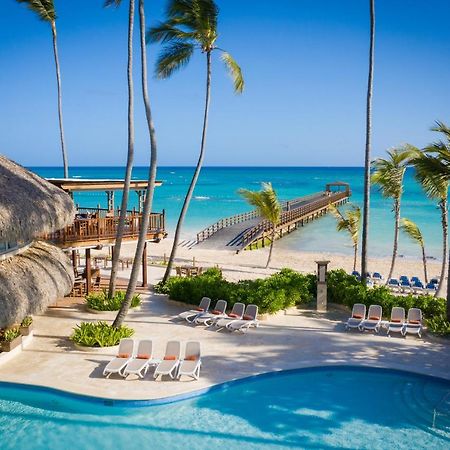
{"x":26,"y":326}
{"x":11,"y":339}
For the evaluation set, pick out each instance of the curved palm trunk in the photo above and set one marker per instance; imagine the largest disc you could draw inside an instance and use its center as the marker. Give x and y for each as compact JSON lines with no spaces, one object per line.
{"x":395,"y":245}
{"x":355,"y":256}
{"x":60,"y":115}
{"x":424,"y":260}
{"x":151,"y":180}
{"x":272,"y":241}
{"x":444,"y":221}
{"x":130,"y":156}
{"x":366,"y":207}
{"x":190,"y":191}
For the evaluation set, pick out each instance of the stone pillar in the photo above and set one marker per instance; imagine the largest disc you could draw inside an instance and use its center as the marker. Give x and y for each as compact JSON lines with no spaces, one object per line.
{"x":141,"y":200}
{"x":110,"y":197}
{"x":322,"y":285}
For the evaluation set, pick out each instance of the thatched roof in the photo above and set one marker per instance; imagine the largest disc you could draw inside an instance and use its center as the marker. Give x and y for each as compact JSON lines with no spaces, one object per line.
{"x":32,"y":280}
{"x":29,"y":205}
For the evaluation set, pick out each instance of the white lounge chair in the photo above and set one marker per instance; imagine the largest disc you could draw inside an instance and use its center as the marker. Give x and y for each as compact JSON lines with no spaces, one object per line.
{"x":373,"y":321}
{"x":215,"y":314}
{"x":249,"y":319}
{"x":397,"y":322}
{"x":236,"y":314}
{"x":193,"y":313}
{"x":124,"y":356}
{"x":190,"y":366}
{"x":140,"y":363}
{"x":358,"y":315}
{"x":414,"y":322}
{"x":169,"y":365}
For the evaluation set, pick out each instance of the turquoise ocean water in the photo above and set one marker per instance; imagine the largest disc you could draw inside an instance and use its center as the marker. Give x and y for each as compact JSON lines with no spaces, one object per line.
{"x":216,"y":197}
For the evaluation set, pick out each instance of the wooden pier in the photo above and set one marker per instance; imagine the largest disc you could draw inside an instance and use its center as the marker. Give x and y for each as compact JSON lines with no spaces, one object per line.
{"x":248,"y":230}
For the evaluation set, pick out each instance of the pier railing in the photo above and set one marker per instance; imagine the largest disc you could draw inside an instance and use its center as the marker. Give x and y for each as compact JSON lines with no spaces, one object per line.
{"x":223,"y":223}
{"x":261,"y":230}
{"x":96,"y":228}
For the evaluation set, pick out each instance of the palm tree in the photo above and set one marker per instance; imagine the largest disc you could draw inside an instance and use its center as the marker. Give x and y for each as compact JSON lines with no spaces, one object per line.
{"x":413,"y":231}
{"x":388,"y":174}
{"x":130,"y":154}
{"x":433,"y":172}
{"x":268,"y":207}
{"x":151,"y":178}
{"x":45,"y":9}
{"x":349,"y":222}
{"x":190,"y":25}
{"x":368,"y":150}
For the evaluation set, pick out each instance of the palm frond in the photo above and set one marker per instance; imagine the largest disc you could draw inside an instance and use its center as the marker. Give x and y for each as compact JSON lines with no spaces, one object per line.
{"x":172,"y":58}
{"x":349,"y":221}
{"x":440,"y":127}
{"x":265,"y":201}
{"x":412,"y":230}
{"x":45,"y":9}
{"x":166,"y":32}
{"x":235,"y":72}
{"x":115,"y":3}
{"x":432,"y":174}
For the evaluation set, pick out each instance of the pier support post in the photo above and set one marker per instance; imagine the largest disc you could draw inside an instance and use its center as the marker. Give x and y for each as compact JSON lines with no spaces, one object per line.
{"x":322,"y":285}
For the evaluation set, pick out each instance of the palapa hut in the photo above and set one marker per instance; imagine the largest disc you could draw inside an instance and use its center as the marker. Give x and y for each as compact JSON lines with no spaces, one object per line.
{"x":32,"y":273}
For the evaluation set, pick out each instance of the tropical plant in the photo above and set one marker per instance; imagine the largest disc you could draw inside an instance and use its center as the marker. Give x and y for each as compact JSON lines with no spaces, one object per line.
{"x":190,"y":25}
{"x":433,"y":167}
{"x":130,"y":152}
{"x":430,"y":165}
{"x":412,"y":230}
{"x":388,"y":175}
{"x":27,"y":321}
{"x":99,"y":334}
{"x":349,"y":222}
{"x":368,"y":147}
{"x":45,"y":9}
{"x":10,"y":334}
{"x":269,"y":208}
{"x":151,"y":178}
{"x":100,"y":301}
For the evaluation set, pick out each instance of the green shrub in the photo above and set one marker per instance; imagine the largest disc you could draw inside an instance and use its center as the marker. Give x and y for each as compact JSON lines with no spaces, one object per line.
{"x":439,"y":325}
{"x":27,"y":321}
{"x":101,"y":302}
{"x":99,"y":334}
{"x":10,"y":334}
{"x":279,"y":291}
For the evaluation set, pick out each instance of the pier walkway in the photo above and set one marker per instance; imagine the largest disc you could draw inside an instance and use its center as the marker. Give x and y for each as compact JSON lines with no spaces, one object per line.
{"x":249,"y":230}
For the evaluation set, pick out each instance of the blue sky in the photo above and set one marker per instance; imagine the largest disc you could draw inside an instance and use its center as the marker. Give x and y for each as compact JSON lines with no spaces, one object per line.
{"x":305,"y":65}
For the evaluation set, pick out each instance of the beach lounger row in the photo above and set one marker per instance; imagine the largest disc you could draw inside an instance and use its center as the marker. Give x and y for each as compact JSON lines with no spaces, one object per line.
{"x":135,"y":358}
{"x":397,"y":323}
{"x":240,"y":318}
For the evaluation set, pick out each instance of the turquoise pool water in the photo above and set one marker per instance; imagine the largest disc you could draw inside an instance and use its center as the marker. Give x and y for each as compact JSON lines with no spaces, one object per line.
{"x":319,"y":408}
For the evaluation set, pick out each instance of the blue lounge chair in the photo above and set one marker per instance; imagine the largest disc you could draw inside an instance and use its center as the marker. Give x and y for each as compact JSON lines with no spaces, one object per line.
{"x":414,"y":279}
{"x":405,"y":285}
{"x":377,"y":276}
{"x":431,"y":288}
{"x":417,"y":287}
{"x":434,"y":281}
{"x":356,"y":274}
{"x":393,"y":284}
{"x":404,"y":278}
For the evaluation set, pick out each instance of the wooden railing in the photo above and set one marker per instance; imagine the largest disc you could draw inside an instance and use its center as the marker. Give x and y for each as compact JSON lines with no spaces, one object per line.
{"x":287,"y":217}
{"x":97,"y":229}
{"x":223,"y":223}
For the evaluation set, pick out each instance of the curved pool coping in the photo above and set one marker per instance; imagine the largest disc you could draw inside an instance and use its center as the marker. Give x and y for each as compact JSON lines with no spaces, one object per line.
{"x":122,"y":403}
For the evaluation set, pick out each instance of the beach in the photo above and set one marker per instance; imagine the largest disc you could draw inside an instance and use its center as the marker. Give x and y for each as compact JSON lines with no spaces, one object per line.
{"x":250,"y":264}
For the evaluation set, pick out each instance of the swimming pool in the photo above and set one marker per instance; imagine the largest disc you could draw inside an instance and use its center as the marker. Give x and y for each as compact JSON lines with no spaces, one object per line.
{"x":328,"y":407}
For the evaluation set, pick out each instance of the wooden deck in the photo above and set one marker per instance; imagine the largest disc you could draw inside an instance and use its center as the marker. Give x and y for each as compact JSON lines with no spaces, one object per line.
{"x":249,"y":230}
{"x":99,"y":227}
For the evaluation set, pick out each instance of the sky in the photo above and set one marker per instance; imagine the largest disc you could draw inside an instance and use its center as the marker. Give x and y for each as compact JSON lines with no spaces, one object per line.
{"x":305,"y":65}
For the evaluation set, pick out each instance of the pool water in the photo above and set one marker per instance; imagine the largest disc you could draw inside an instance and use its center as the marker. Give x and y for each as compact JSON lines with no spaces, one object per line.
{"x":319,"y":408}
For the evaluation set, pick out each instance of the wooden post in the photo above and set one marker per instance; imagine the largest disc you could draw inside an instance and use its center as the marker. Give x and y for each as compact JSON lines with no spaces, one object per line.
{"x":74,"y":259}
{"x":88,"y":271}
{"x":144,"y":266}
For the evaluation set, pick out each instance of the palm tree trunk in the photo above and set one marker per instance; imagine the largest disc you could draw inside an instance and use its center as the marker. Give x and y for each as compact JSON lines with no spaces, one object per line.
{"x":444,"y":220}
{"x":366,"y":207}
{"x":130,"y":156}
{"x":190,"y":191}
{"x":272,"y":238}
{"x":60,"y":115}
{"x":424,"y":260}
{"x":395,"y":245}
{"x":355,"y":256}
{"x":151,"y":180}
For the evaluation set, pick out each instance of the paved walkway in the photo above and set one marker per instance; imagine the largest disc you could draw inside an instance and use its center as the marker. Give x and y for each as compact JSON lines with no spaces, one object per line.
{"x":297,"y":339}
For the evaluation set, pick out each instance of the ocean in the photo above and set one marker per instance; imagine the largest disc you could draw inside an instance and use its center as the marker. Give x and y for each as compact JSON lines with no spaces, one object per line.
{"x":216,"y":197}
